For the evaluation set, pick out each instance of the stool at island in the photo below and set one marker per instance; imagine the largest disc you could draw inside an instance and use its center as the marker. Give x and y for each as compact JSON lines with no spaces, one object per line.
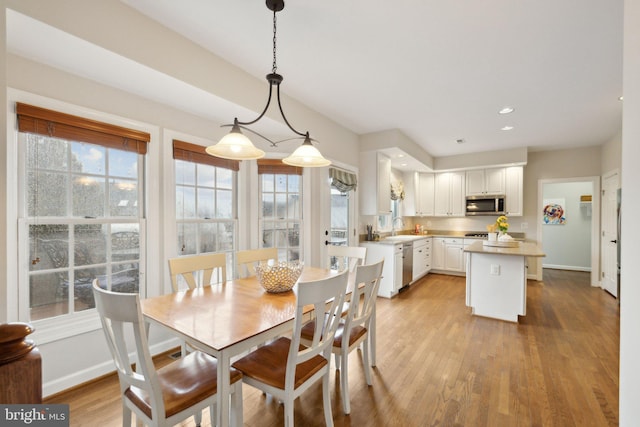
{"x":497,"y":278}
{"x":20,"y":366}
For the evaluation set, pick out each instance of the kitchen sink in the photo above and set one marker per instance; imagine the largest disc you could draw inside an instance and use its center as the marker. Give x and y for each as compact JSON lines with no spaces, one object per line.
{"x":402,"y":238}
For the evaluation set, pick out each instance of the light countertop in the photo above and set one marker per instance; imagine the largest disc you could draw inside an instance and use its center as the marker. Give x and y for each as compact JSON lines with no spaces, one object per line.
{"x":523,"y":249}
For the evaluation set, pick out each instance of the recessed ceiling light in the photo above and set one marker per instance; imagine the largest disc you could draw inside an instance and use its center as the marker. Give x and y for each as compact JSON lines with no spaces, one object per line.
{"x":400,"y":156}
{"x":403,"y":164}
{"x":507,"y":128}
{"x":506,"y":110}
{"x":620,"y":98}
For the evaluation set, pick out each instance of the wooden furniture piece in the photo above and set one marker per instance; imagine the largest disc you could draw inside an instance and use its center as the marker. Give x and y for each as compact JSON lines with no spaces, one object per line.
{"x":246,"y":260}
{"x":346,"y":257}
{"x":284,"y":368}
{"x":244,"y":316}
{"x":20,"y":366}
{"x":354,"y":330}
{"x":197,"y":270}
{"x":171,"y":394}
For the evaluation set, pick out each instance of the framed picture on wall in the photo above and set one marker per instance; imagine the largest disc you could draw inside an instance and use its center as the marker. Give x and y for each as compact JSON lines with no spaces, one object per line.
{"x":553,"y":212}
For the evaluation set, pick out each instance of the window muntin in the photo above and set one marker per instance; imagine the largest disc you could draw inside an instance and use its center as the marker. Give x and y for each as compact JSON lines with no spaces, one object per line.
{"x":83,"y":222}
{"x":281,"y":214}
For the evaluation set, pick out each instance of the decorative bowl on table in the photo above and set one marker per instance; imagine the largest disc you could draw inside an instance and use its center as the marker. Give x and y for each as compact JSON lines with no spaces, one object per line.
{"x":278,"y":277}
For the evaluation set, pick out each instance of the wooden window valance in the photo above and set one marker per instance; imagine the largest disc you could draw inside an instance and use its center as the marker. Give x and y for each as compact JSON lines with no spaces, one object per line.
{"x":276,"y":166}
{"x":51,"y":123}
{"x":197,"y":154}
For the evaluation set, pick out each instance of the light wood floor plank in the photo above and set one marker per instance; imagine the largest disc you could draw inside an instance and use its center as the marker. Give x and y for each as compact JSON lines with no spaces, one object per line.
{"x":440,"y":366}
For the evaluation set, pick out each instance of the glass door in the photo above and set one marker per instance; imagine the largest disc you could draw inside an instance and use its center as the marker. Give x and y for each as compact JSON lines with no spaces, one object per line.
{"x":340,"y":217}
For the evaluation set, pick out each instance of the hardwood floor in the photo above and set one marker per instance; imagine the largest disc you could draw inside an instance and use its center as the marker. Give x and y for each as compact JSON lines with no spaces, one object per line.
{"x":439,"y":366}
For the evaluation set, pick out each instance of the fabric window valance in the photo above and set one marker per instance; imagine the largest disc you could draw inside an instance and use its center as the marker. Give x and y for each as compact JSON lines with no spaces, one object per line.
{"x":344,"y":181}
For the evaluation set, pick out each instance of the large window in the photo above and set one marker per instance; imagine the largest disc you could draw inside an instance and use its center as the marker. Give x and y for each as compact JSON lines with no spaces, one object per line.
{"x":281,"y":213}
{"x":205,"y":202}
{"x":82,"y":213}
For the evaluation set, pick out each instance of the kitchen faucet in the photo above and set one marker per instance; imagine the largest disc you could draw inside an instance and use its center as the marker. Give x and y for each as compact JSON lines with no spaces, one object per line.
{"x":393,"y":224}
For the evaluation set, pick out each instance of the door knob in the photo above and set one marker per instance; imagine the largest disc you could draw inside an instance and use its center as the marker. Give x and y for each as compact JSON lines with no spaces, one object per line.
{"x":613,"y":241}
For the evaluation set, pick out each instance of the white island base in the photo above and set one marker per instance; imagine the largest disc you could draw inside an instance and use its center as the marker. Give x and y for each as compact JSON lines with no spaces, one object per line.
{"x":497,"y":280}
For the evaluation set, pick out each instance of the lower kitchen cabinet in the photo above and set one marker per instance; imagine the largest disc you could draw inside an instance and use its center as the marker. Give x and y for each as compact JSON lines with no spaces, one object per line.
{"x":448,"y":254}
{"x":392,"y":270}
{"x":421,"y":257}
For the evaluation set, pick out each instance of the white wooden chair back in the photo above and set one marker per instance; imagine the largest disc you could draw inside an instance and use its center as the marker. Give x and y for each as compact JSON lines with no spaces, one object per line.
{"x":246,"y":260}
{"x":347,"y":257}
{"x":119,"y":312}
{"x":198,"y":270}
{"x":363,"y":298}
{"x":326,"y":296}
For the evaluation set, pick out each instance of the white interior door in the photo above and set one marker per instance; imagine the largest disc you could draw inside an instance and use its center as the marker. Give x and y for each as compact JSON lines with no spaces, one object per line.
{"x":610,"y":186}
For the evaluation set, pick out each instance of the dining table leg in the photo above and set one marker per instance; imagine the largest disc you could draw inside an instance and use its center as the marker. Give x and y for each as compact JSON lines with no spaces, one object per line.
{"x":224,"y":389}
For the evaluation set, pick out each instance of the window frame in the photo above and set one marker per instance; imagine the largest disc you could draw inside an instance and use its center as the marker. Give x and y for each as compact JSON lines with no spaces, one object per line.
{"x":275,"y":167}
{"x":196,"y":154}
{"x":60,"y":327}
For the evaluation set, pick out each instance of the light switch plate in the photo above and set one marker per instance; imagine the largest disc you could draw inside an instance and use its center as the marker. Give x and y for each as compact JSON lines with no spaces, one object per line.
{"x":495,"y":269}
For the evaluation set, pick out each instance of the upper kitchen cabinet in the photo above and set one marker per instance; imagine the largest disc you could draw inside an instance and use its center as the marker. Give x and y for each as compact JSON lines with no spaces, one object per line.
{"x":375,"y":183}
{"x":449,"y":194}
{"x":482,"y":182}
{"x":513,"y":191}
{"x":420,"y":194}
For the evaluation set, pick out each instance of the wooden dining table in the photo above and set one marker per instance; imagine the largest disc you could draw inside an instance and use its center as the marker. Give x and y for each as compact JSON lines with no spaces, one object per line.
{"x":228,"y":319}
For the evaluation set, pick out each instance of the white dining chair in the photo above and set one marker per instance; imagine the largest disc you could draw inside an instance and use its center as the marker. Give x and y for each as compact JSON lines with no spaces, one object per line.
{"x":346,"y":257}
{"x":166,"y":396}
{"x":356,"y":328}
{"x":283,"y":368}
{"x":198,"y":270}
{"x":247,"y":260}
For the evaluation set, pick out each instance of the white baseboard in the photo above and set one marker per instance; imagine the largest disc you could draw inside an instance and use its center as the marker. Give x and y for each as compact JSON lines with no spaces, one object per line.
{"x":566,"y":267}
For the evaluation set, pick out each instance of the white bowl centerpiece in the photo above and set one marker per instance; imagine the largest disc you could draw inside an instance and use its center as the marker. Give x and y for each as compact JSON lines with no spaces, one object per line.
{"x":278,"y":277}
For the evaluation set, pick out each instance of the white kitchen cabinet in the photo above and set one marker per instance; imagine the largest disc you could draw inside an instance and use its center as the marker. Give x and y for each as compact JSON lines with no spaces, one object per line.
{"x":438,"y":253}
{"x":453,"y":255}
{"x":449,"y":194}
{"x":513,"y":191}
{"x":448,"y":254}
{"x":480,"y":182}
{"x":391,"y":280}
{"x":421,"y":257}
{"x":425,"y":194}
{"x":374,"y":184}
{"x":419,"y":200}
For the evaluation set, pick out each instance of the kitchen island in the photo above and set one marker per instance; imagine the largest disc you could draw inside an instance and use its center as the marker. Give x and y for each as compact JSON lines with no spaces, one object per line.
{"x":497,"y":279}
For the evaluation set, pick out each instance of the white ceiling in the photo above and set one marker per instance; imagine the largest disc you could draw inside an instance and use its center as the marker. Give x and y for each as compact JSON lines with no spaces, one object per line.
{"x":438,"y":71}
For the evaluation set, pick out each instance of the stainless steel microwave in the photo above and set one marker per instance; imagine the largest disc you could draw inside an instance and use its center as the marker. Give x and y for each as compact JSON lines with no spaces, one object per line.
{"x":485,"y":205}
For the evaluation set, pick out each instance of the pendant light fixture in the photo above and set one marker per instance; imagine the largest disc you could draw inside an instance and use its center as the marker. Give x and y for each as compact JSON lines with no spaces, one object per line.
{"x":236,"y":146}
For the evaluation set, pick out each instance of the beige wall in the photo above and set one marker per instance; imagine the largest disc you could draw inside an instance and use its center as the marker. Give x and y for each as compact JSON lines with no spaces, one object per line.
{"x":612,"y":154}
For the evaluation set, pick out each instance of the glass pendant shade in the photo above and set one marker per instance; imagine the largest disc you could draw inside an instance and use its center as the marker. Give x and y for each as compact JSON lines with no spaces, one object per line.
{"x":306,"y":156}
{"x":235,"y":146}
